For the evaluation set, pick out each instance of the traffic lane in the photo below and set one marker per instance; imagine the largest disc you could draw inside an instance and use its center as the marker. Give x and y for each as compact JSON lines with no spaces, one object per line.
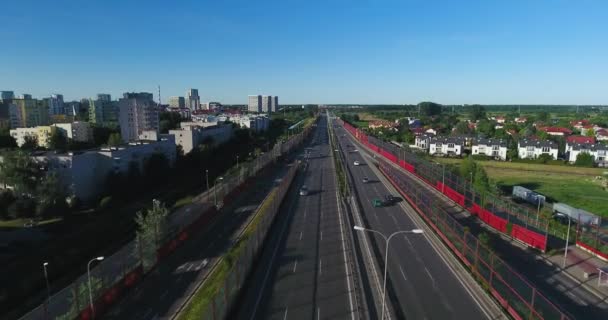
{"x":445,"y":288}
{"x":164,"y":288}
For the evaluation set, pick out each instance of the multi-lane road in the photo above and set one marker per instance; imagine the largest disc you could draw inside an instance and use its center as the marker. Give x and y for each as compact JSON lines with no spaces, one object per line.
{"x":421,"y":285}
{"x":303,"y":271}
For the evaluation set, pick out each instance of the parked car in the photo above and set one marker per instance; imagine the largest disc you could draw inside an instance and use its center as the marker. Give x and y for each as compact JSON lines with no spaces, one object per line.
{"x":304,"y":191}
{"x":356,"y":163}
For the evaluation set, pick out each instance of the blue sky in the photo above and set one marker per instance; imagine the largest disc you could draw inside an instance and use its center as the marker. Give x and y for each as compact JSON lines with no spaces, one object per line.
{"x":375,"y":51}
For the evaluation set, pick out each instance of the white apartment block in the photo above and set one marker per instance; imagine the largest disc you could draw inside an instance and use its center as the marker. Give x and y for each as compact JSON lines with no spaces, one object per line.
{"x":422,"y":142}
{"x":137,"y":115}
{"x":191,"y":136}
{"x":597,"y":150}
{"x":532,"y":149}
{"x":254,"y":104}
{"x":495,"y":148}
{"x":76,"y":131}
{"x":446,"y":146}
{"x":42,"y":134}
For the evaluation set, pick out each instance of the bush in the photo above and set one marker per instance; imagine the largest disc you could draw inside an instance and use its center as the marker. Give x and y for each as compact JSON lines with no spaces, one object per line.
{"x":6,"y":199}
{"x":481,"y":157}
{"x":584,"y":159}
{"x":544,"y":158}
{"x":105,"y":203}
{"x":22,"y":208}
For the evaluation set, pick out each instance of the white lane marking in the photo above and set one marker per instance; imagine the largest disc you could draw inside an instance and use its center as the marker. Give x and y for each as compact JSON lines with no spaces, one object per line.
{"x":320,"y":266}
{"x":295,"y":265}
{"x":285,"y":316}
{"x":318,"y":313}
{"x":190,"y":266}
{"x":162,"y":296}
{"x":395,"y":220}
{"x":300,"y":235}
{"x":402,"y":273}
{"x":321,"y":235}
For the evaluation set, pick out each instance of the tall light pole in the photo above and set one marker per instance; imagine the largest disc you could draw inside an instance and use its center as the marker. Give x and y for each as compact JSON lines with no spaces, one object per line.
{"x":207,"y":178}
{"x":48,"y":287}
{"x":215,"y":190}
{"x":89,"y":278}
{"x":387,"y":240}
{"x":567,"y":240}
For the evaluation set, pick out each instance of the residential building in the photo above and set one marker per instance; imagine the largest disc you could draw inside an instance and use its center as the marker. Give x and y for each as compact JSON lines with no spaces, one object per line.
{"x":137,"y":113}
{"x":191,"y":136}
{"x":521,"y":120}
{"x":446,"y":146}
{"x":5,"y":119}
{"x":532,"y":149}
{"x":422,"y":142}
{"x":83,"y":173}
{"x":103,"y":112}
{"x":377,"y":124}
{"x":255,"y":104}
{"x":267,"y":104}
{"x":177,"y":102}
{"x":573,"y":140}
{"x":500,"y":119}
{"x":104,"y":97}
{"x":25,"y":96}
{"x":599,"y":152}
{"x":194,"y":101}
{"x":275,"y":103}
{"x":7,"y":95}
{"x":42,"y":134}
{"x":257,"y":123}
{"x":579,"y":124}
{"x":556,"y":131}
{"x":601,"y":135}
{"x":28,"y":112}
{"x":185,"y":113}
{"x":56,"y":105}
{"x":77,"y":131}
{"x":495,"y":148}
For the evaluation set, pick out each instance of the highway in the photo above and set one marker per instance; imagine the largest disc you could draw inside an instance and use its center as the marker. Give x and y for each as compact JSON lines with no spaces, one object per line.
{"x":421,"y":285}
{"x":163,"y":291}
{"x":302,"y":273}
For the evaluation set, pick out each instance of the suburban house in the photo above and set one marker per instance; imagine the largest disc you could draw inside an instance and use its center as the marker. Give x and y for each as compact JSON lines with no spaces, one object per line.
{"x":556,"y":131}
{"x":579,"y":124}
{"x":601,"y":135}
{"x":590,"y":129}
{"x":495,"y":148}
{"x":521,"y":120}
{"x":422,"y":142}
{"x":532,"y":149}
{"x":446,"y":146}
{"x":573,"y":140}
{"x":431,"y":131}
{"x":417,"y":131}
{"x":500,"y":119}
{"x":597,"y":150}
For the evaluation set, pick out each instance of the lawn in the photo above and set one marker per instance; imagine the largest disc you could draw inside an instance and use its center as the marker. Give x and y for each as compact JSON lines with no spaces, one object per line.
{"x":18,"y":223}
{"x":574,"y":186}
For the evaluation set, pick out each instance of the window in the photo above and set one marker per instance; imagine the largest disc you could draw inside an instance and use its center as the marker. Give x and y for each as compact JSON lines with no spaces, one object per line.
{"x":530,"y":149}
{"x":546,"y":149}
{"x":438,"y":145}
{"x":601,"y":152}
{"x":450,"y":145}
{"x":495,"y":148}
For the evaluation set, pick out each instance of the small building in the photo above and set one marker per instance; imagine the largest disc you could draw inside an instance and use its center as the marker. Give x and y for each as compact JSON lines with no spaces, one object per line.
{"x":500,"y":119}
{"x":495,"y":148}
{"x":191,"y":136}
{"x":422,"y":142}
{"x":599,"y":152}
{"x":579,"y":124}
{"x":76,"y":131}
{"x":521,"y":120}
{"x":446,"y":146}
{"x":532,"y":149}
{"x":379,"y":124}
{"x":42,"y":134}
{"x":601,"y":135}
{"x":573,"y":140}
{"x":556,"y":131}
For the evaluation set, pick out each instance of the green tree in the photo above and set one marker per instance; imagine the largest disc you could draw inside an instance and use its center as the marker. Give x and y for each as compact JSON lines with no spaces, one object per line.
{"x":30,"y":143}
{"x":462,"y":127}
{"x":152,"y":227}
{"x":486,"y":127}
{"x":169,"y":121}
{"x":477,"y":112}
{"x":58,"y":141}
{"x":481,"y":181}
{"x":542,"y":135}
{"x":114,"y":139}
{"x":545,"y":158}
{"x":590,"y":133}
{"x":6,"y":140}
{"x":542,"y":116}
{"x":19,"y":171}
{"x":584,"y":159}
{"x":429,"y":108}
{"x":485,"y":239}
{"x":51,"y":197}
{"x":467,"y":167}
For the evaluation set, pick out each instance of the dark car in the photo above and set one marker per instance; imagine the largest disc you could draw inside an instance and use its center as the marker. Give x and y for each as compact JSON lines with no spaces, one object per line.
{"x":389,"y":199}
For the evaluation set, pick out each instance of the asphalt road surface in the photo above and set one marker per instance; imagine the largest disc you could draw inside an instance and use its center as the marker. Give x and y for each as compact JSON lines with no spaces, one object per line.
{"x":302,"y":273}
{"x":420,"y":283}
{"x":162,"y":292}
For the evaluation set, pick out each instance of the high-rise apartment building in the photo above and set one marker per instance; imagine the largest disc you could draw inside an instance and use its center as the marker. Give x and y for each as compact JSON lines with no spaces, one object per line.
{"x":254,"y":104}
{"x":56,"y":105}
{"x":194,"y":101}
{"x":177,"y":102}
{"x":275,"y":103}
{"x":102,"y":111}
{"x":138,"y":113}
{"x":28,"y":112}
{"x":7,"y":95}
{"x":104,"y":97}
{"x":267,"y":104}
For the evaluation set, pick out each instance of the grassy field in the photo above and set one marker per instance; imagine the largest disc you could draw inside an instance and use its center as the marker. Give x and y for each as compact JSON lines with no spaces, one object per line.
{"x":574,"y":186}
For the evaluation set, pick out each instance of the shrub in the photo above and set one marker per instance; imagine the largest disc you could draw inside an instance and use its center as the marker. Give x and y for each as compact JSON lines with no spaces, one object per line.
{"x":105,"y":202}
{"x":481,"y":157}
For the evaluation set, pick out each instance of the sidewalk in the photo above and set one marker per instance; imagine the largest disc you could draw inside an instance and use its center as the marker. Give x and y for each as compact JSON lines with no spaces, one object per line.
{"x":579,"y":262}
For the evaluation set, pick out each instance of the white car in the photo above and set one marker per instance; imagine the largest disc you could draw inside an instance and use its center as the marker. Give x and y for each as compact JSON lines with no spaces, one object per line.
{"x":304,"y":191}
{"x":356,"y":163}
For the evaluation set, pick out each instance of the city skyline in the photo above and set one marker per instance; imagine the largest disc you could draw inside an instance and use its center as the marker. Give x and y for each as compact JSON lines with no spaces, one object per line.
{"x":520,"y":52}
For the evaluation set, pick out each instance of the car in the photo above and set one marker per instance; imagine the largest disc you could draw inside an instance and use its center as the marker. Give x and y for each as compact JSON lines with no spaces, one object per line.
{"x":389,"y":198}
{"x":365,"y":180}
{"x":377,"y":203}
{"x":356,"y":163}
{"x":304,"y":191}
{"x":356,"y":150}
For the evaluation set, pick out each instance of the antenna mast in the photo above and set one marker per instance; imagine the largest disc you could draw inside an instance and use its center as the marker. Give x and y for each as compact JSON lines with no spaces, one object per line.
{"x":159,"y":101}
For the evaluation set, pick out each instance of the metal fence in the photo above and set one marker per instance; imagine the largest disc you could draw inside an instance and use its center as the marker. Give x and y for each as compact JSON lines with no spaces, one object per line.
{"x":123,"y":269}
{"x":511,"y":290}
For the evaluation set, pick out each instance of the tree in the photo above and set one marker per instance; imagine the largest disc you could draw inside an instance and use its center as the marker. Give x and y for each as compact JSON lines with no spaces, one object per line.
{"x":21,"y":172}
{"x":542,"y":135}
{"x":51,"y":197}
{"x":481,"y":181}
{"x":467,"y":167}
{"x":114,"y":140}
{"x":6,"y":140}
{"x":6,"y":199}
{"x":30,"y":143}
{"x":584,"y":159}
{"x":429,"y":108}
{"x":544,"y":158}
{"x":156,"y":169}
{"x":477,"y":112}
{"x":486,"y":127}
{"x":590,"y":133}
{"x":169,"y":121}
{"x":462,"y":128}
{"x":542,"y":116}
{"x":58,"y":141}
{"x":152,"y":228}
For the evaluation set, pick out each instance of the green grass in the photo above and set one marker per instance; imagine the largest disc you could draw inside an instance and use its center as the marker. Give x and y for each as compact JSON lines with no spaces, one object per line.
{"x":182,"y":202}
{"x":572,"y":185}
{"x":18,"y":223}
{"x":361,"y":124}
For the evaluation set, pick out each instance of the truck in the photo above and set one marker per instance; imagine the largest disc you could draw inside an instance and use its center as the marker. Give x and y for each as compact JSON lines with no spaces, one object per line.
{"x":575,"y":214}
{"x":528,"y":195}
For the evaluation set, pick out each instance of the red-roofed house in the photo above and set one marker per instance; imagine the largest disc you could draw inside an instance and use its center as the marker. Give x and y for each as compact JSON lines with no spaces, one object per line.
{"x":375,"y":124}
{"x":521,"y":120}
{"x":417,"y":131}
{"x":500,"y":119}
{"x":601,"y":135}
{"x":556,"y":131}
{"x":572,"y":140}
{"x":578,"y":124}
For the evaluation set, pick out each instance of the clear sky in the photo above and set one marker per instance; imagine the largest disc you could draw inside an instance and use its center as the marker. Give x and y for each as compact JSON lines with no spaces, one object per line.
{"x":375,"y":51}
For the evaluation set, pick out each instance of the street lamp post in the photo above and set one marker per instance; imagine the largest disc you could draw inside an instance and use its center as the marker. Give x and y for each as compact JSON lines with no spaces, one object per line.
{"x":387,"y":240}
{"x":89,"y":278}
{"x":48,"y":287}
{"x":566,"y":247}
{"x":207,"y":178}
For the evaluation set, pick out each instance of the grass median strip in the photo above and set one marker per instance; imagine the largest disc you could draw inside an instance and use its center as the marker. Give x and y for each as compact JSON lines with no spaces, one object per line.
{"x":201,"y":301}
